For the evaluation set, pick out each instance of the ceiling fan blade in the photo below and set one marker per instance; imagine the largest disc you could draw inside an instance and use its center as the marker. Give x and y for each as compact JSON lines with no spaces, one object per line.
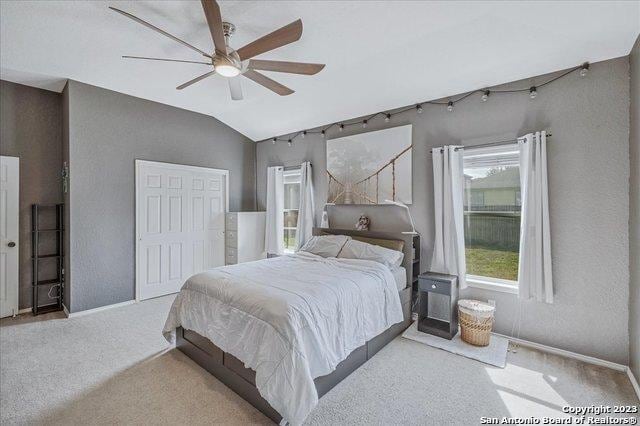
{"x":163,"y":32}
{"x":265,"y":81}
{"x":282,"y":66}
{"x":214,"y":20}
{"x":166,"y":60}
{"x":278,"y":38}
{"x":195,"y":80}
{"x":235,"y":87}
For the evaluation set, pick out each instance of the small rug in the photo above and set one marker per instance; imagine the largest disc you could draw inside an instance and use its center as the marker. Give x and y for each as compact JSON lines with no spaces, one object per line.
{"x":495,"y":354}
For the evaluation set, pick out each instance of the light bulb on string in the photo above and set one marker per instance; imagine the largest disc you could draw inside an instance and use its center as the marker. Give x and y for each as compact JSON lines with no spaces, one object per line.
{"x":485,"y":95}
{"x":323,"y":134}
{"x":341,"y":127}
{"x":274,"y":141}
{"x":289,"y":142}
{"x":304,"y":134}
{"x":533,"y":92}
{"x":584,"y":70}
{"x":387,"y":118}
{"x":364,"y":124}
{"x":419,"y":108}
{"x":450,"y":106}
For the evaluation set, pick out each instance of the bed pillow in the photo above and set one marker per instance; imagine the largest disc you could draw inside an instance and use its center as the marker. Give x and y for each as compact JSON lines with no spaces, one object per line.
{"x":325,"y":245}
{"x":354,"y":249}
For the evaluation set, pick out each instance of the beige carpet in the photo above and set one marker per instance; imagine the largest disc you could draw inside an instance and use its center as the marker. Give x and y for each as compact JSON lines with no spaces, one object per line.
{"x":114,"y":367}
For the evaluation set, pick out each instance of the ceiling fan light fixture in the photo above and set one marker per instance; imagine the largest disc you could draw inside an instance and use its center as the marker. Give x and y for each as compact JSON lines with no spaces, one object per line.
{"x":225,"y":67}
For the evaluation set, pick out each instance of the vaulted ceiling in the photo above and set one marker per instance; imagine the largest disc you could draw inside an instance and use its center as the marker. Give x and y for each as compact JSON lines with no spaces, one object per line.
{"x":379,"y":54}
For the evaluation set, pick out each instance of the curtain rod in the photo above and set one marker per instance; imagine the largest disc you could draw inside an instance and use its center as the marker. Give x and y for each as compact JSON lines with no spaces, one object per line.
{"x":485,"y":145}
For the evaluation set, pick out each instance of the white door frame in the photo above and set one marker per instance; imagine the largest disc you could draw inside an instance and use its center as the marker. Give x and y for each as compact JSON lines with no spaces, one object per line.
{"x":138,"y":164}
{"x":13,"y":291}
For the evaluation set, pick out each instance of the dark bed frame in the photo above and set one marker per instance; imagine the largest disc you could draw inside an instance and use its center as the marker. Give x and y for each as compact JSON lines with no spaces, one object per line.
{"x":232,"y":372}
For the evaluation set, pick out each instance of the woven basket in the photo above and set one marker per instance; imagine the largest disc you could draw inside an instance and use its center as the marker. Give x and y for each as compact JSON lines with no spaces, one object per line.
{"x":475,"y":329}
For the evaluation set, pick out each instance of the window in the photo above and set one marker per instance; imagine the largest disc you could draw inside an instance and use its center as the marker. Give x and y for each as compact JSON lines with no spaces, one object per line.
{"x":492,"y":217}
{"x":291,"y":204}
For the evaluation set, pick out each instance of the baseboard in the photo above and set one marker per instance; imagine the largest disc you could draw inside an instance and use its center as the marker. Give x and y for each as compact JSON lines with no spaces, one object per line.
{"x":633,"y":381}
{"x":567,"y":354}
{"x":24,"y":311}
{"x":94,"y":310}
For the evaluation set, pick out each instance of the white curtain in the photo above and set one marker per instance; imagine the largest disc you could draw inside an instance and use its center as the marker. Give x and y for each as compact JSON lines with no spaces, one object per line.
{"x":448,"y":188}
{"x":306,"y":210}
{"x":534,"y":267}
{"x":274,"y":232}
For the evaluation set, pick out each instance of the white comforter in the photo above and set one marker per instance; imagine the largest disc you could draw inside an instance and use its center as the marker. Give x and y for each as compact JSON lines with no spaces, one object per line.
{"x":291,"y":319}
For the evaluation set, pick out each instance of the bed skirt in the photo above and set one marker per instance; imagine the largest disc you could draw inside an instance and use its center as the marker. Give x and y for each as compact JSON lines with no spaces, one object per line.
{"x":232,"y":372}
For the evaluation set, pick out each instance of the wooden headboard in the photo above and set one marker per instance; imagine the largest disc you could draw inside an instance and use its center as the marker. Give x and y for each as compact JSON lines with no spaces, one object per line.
{"x":393,"y":240}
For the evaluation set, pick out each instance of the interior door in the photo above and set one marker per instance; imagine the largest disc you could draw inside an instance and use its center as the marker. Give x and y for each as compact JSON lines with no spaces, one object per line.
{"x":9,"y":184}
{"x":180,"y":224}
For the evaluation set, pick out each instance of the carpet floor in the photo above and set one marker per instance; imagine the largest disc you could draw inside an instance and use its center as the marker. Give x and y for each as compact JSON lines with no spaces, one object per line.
{"x":114,"y":367}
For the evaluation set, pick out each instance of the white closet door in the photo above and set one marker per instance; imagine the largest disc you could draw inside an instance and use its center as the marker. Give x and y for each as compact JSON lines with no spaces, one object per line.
{"x":9,"y":178}
{"x":180,"y":224}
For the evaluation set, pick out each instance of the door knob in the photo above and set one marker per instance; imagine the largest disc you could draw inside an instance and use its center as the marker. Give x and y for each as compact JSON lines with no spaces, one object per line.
{"x":11,"y":244}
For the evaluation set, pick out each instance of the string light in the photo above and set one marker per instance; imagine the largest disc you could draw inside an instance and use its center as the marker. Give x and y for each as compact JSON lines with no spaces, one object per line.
{"x":533,"y":93}
{"x":584,"y":70}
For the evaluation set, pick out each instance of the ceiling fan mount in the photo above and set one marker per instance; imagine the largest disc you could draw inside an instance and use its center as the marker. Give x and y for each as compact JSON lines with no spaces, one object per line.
{"x":228,"y":62}
{"x":228,"y":29}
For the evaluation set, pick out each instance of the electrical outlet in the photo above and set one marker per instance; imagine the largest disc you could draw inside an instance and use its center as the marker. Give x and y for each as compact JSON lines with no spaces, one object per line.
{"x":492,"y":302}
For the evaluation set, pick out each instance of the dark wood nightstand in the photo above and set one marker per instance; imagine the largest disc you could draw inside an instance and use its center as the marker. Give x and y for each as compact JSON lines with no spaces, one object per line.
{"x":447,"y":285}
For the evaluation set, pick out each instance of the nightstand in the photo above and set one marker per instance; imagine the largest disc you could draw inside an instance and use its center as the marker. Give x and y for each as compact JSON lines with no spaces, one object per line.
{"x":446,"y":285}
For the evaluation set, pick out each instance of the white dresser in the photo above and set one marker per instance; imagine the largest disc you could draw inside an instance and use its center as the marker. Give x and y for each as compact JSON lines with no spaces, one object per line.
{"x":245,"y":237}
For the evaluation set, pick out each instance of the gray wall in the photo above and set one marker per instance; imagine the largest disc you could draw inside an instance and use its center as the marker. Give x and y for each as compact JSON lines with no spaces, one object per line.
{"x":634,"y":214}
{"x":588,"y":161}
{"x":107,"y":132}
{"x":30,"y":128}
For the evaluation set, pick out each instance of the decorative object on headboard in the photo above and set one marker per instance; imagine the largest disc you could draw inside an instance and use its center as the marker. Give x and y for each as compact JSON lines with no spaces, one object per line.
{"x":363,"y":223}
{"x":368,"y":168}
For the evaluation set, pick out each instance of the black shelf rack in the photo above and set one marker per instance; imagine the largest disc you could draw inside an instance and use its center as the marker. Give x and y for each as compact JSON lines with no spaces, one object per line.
{"x":37,"y":259}
{"x":416,"y":271}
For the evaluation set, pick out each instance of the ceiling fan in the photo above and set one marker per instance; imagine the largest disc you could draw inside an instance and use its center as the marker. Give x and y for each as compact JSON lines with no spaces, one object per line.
{"x":231,"y":63}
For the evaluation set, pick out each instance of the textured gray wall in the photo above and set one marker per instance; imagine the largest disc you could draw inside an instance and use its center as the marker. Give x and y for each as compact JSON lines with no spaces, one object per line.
{"x":107,"y":132}
{"x":634,"y":214}
{"x":30,"y":128}
{"x":589,"y":197}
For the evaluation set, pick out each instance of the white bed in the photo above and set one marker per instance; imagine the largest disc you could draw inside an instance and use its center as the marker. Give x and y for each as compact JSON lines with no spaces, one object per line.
{"x":291,"y":319}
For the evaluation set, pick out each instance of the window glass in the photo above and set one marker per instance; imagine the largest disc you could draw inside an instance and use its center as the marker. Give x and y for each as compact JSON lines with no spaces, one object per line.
{"x":291,"y":204}
{"x":492,"y":212}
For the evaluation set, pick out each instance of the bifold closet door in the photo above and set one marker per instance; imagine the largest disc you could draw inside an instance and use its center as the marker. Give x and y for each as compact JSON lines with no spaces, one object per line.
{"x":9,"y":187}
{"x":179,"y":225}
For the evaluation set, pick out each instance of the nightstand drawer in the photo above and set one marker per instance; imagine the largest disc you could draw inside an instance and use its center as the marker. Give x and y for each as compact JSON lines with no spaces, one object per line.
{"x":231,"y":221}
{"x":231,"y":256}
{"x":232,"y":238}
{"x":434,"y":286}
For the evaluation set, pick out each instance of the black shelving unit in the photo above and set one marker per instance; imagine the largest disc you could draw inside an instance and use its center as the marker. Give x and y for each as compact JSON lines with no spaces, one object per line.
{"x":415,"y":272}
{"x":37,"y":259}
